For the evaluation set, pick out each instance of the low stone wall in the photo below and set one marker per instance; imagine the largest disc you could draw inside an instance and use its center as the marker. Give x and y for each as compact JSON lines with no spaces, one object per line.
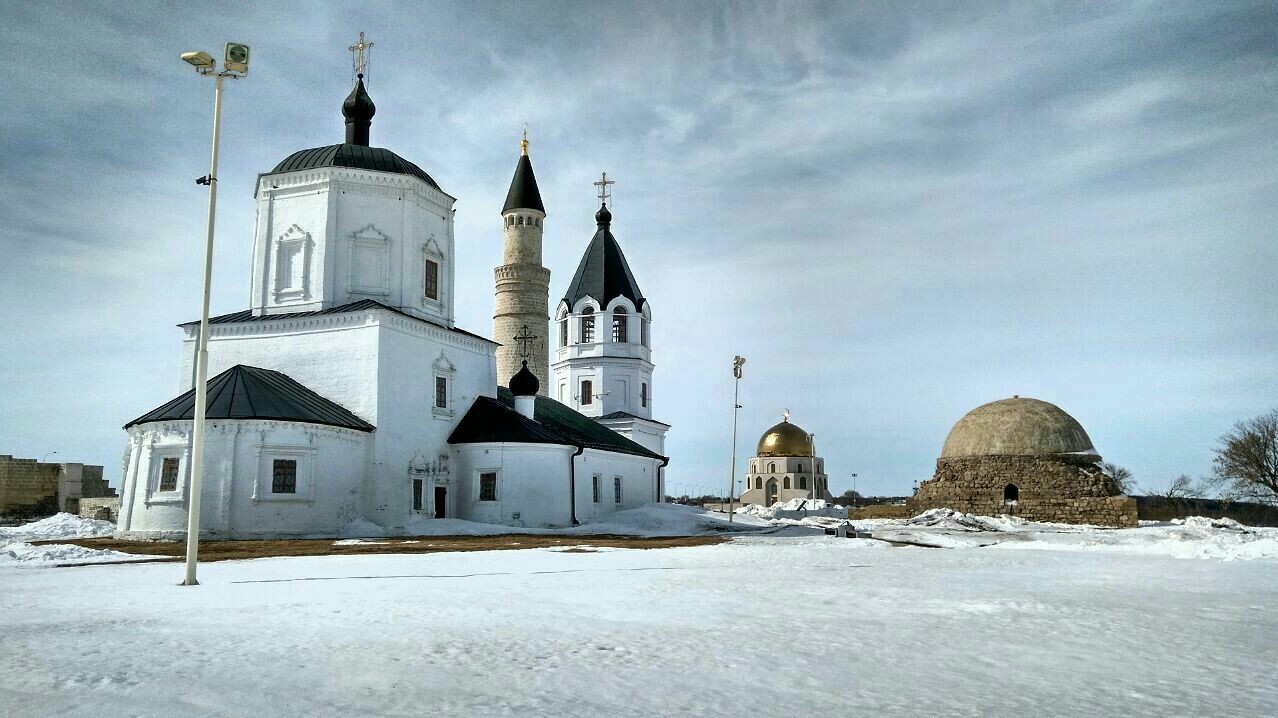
{"x":104,"y":509}
{"x":28,"y":488}
{"x":1161,"y":508}
{"x":881,"y":511}
{"x":1049,"y":488}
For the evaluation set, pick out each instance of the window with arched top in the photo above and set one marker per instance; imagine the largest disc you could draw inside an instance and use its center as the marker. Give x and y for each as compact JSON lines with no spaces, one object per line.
{"x":588,"y":325}
{"x":800,"y":467}
{"x":1011,"y":494}
{"x":758,"y":483}
{"x":619,"y":321}
{"x":787,"y":482}
{"x":772,"y":468}
{"x":803,"y":482}
{"x":537,"y":222}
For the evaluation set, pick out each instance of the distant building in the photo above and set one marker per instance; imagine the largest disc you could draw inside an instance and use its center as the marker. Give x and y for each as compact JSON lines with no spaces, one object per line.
{"x":1026,"y":458}
{"x":784,"y":467}
{"x":32,"y":489}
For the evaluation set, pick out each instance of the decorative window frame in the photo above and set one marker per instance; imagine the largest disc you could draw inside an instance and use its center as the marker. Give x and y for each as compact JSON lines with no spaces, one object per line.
{"x":443,"y":369}
{"x":370,"y":238}
{"x":294,"y":238}
{"x":181,"y":452}
{"x":303,"y":454}
{"x":431,"y":251}
{"x":478,"y":472}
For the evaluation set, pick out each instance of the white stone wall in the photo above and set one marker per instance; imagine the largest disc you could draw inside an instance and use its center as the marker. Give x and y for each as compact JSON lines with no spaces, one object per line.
{"x":330,"y":236}
{"x":617,"y":370}
{"x":534,"y":483}
{"x":236,"y":496}
{"x":762,"y":469}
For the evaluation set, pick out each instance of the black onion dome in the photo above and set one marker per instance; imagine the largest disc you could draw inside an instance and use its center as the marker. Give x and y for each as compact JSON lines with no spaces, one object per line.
{"x":524,"y":382}
{"x":603,"y":216}
{"x":361,"y":157}
{"x":358,"y":105}
{"x":523,"y":193}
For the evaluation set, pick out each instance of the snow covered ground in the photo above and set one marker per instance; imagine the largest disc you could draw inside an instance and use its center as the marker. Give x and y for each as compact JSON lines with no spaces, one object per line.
{"x":762,"y":625}
{"x":16,"y":551}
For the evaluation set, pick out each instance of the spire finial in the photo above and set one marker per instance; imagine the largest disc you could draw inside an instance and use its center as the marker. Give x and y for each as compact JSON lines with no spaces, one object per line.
{"x":523,"y":144}
{"x":602,"y":184}
{"x":359,"y":56}
{"x":785,"y":415}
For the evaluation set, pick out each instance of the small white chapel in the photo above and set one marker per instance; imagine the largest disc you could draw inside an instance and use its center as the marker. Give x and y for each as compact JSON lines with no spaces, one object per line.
{"x":345,"y":393}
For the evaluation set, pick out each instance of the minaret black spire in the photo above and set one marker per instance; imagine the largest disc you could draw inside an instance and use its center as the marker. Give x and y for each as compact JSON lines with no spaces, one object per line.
{"x":358,"y":109}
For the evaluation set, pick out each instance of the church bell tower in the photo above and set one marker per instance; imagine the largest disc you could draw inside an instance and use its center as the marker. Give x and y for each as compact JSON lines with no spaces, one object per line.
{"x":522,"y":283}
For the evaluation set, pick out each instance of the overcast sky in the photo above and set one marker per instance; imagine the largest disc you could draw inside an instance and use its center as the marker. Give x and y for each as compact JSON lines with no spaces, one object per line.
{"x":896,"y":212}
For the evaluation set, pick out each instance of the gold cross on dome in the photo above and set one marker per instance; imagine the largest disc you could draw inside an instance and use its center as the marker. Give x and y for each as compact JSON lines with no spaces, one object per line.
{"x":359,"y":56}
{"x":524,"y":339}
{"x":602,"y":184}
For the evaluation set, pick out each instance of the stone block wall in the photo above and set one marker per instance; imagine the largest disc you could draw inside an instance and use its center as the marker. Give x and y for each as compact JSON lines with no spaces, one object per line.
{"x":881,"y":511}
{"x":105,"y":509}
{"x":28,"y":488}
{"x":1050,"y":488}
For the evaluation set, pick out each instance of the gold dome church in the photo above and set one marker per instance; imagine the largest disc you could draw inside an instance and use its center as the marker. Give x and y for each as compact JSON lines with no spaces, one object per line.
{"x":784,"y":467}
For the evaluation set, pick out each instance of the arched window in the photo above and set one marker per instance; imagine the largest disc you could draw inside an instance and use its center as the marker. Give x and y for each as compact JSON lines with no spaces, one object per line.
{"x":563,"y":331}
{"x":1011,"y":494}
{"x":643,"y":331}
{"x":643,"y":395}
{"x":588,"y":325}
{"x":537,"y":222}
{"x":772,"y":468}
{"x":619,"y":321}
{"x":800,"y":467}
{"x":758,"y":483}
{"x":787,"y":482}
{"x":803,"y":482}
{"x":520,"y":221}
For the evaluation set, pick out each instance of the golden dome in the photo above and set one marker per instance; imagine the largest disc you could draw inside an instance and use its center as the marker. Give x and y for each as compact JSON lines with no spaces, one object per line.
{"x":784,"y":439}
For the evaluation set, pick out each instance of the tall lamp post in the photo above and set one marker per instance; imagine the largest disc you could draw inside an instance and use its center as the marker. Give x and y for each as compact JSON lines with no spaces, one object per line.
{"x":234,"y":65}
{"x":812,"y":447}
{"x":737,"y":363}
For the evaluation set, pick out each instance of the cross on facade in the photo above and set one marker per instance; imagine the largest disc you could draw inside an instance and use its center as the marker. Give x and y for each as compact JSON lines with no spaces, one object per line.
{"x":602,"y":184}
{"x":525,"y":339}
{"x":359,"y":56}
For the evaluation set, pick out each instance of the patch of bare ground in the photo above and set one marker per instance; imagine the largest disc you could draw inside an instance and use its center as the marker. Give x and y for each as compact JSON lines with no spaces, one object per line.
{"x":235,"y":550}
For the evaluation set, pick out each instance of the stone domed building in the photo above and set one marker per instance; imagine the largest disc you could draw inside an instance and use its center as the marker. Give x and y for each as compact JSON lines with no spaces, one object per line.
{"x":783,"y":467}
{"x":1027,"y":458}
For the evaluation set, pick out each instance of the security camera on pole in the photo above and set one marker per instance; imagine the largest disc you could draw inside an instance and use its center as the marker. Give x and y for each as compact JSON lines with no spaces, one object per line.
{"x":235,"y":65}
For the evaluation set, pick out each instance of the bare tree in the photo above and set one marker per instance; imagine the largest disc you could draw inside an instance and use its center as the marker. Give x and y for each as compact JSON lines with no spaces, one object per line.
{"x":1181,"y":487}
{"x":1247,"y":460}
{"x":1121,"y":477}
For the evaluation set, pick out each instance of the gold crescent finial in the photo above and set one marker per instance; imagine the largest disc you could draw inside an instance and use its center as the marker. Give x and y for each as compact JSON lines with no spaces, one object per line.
{"x":523,"y":144}
{"x":785,"y":415}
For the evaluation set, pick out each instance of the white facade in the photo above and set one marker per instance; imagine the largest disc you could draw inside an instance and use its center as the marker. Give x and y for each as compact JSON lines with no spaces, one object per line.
{"x":334,"y":235}
{"x":773,"y":479}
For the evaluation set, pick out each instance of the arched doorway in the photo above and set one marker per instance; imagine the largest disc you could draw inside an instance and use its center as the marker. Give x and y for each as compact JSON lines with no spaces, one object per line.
{"x":1011,"y":495}
{"x":772,"y":492}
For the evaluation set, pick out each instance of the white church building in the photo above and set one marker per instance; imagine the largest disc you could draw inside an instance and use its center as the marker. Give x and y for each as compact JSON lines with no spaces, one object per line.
{"x":345,"y":392}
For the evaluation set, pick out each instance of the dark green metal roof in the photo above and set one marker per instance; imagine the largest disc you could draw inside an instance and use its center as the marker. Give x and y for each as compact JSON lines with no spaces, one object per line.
{"x":378,"y":159}
{"x":555,"y":424}
{"x":604,"y":273}
{"x":523,"y":193}
{"x":248,"y":392}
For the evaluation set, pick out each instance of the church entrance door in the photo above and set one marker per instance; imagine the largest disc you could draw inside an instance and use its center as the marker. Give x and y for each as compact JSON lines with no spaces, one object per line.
{"x":441,"y":501}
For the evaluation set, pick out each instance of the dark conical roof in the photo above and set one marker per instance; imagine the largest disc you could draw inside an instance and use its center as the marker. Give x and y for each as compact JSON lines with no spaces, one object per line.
{"x":524,"y":382}
{"x":523,"y":192}
{"x":248,"y":392}
{"x":603,"y":272}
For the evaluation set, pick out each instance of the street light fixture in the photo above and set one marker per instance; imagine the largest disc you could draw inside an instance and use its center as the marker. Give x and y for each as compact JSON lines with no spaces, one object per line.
{"x":737,"y":362}
{"x":235,"y":65}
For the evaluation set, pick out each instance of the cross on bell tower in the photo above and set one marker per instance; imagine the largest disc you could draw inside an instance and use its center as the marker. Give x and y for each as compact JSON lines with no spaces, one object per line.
{"x":359,"y":56}
{"x":604,"y":192}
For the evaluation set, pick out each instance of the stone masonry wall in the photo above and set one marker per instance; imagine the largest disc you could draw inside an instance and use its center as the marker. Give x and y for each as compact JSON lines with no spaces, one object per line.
{"x":28,"y":488}
{"x":106,"y":509}
{"x":1050,"y":488}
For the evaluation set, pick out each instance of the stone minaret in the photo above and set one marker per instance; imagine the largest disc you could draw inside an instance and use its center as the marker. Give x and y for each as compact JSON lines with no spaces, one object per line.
{"x":523,"y":285}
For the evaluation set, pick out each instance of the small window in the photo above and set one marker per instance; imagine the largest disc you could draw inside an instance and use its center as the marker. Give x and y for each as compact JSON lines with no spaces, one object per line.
{"x":598,"y":480}
{"x":284,"y":476}
{"x":619,"y":321}
{"x":587,"y":392}
{"x":803,"y":482}
{"x":563,"y":332}
{"x":488,"y":486}
{"x":643,"y":331}
{"x":800,"y":467}
{"x":787,"y":482}
{"x":643,"y":394}
{"x":441,"y":392}
{"x":417,"y":494}
{"x":430,"y":279}
{"x":537,"y":222}
{"x":169,"y":474}
{"x":520,"y":221}
{"x":772,"y":468}
{"x":758,"y":483}
{"x":616,"y":489}
{"x":587,"y":325}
